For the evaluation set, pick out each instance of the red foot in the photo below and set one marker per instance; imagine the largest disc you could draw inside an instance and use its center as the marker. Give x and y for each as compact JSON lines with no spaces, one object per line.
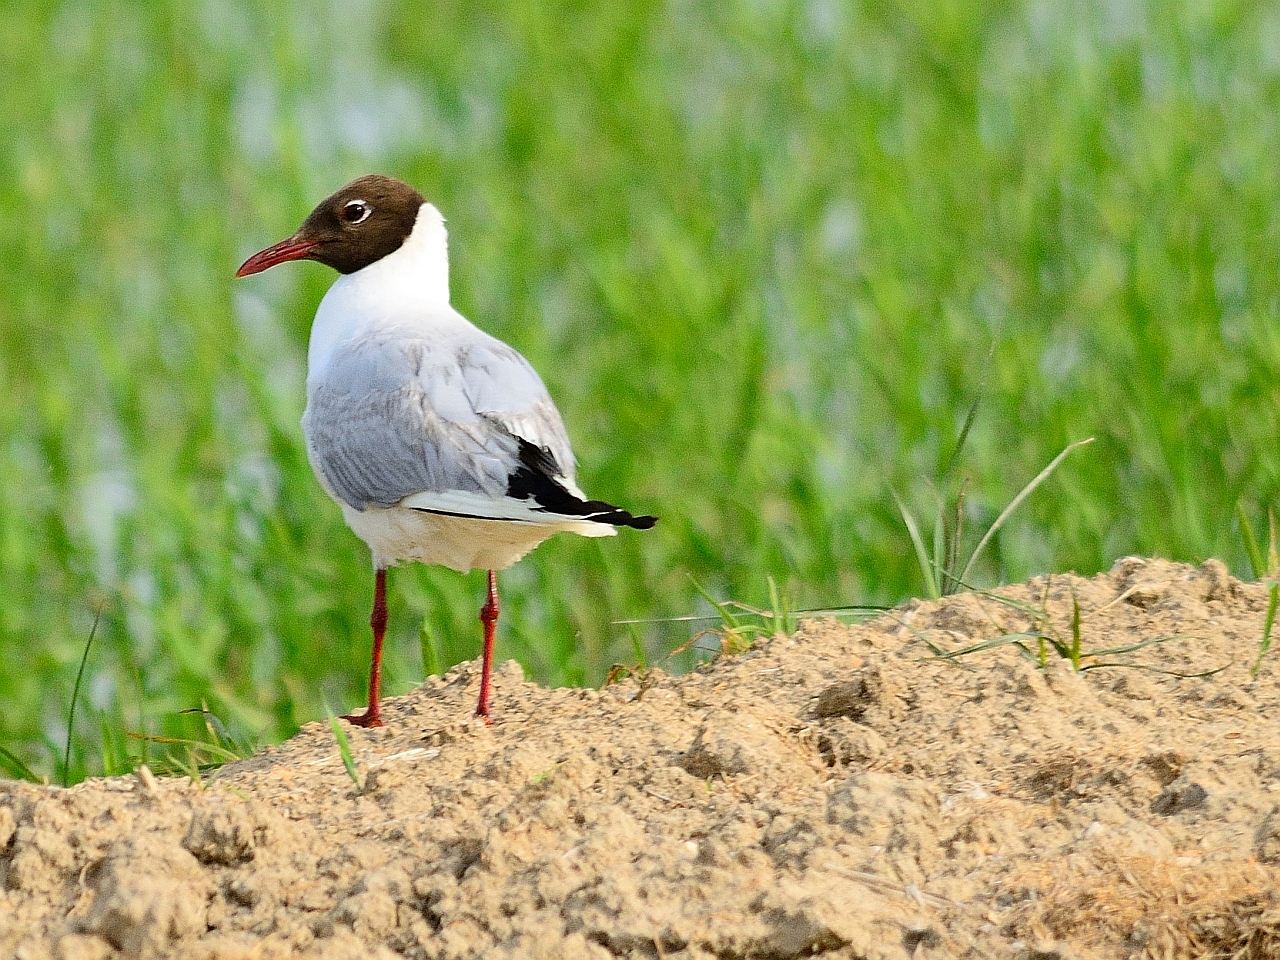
{"x":366,"y":718}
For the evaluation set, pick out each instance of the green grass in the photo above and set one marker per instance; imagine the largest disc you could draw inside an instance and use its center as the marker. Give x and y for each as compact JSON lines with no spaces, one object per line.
{"x":763,"y":255}
{"x":1266,"y":567}
{"x":344,"y":748}
{"x":1045,"y":637}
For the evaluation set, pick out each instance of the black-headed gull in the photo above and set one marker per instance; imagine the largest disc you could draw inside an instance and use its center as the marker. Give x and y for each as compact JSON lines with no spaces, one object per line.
{"x":438,"y":441}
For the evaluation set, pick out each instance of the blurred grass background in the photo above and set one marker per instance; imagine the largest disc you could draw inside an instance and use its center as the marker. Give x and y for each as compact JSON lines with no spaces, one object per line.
{"x":765,"y":255}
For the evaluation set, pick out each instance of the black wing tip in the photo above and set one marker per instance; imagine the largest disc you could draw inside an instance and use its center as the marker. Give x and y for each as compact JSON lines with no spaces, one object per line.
{"x":619,"y":517}
{"x":603,"y":512}
{"x":535,"y":478}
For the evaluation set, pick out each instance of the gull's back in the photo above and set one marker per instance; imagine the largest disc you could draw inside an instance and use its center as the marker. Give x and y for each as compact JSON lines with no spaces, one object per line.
{"x":398,"y":412}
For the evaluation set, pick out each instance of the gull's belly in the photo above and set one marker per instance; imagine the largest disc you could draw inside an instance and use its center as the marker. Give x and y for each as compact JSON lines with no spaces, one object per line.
{"x":395,"y":534}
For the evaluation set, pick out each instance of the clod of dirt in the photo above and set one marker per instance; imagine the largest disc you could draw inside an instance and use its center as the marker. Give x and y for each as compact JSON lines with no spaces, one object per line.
{"x":1179,"y":796}
{"x":736,"y":743}
{"x":1267,"y":839}
{"x":843,"y":792}
{"x":147,"y":897}
{"x":8,"y":826}
{"x":1165,"y":767}
{"x":851,"y":698}
{"x":222,"y":836}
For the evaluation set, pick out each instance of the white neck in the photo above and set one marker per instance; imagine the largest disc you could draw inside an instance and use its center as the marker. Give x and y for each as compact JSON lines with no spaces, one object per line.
{"x":404,"y":287}
{"x":422,"y":262}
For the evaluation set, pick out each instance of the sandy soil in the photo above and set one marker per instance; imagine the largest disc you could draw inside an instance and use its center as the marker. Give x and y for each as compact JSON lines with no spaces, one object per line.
{"x":842,"y":792}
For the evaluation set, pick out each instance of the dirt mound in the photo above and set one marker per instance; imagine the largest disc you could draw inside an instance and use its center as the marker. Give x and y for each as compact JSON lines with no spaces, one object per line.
{"x":845,"y":792}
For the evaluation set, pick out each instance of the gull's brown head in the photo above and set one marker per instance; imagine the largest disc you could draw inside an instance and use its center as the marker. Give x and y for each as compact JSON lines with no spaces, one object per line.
{"x":359,"y":225}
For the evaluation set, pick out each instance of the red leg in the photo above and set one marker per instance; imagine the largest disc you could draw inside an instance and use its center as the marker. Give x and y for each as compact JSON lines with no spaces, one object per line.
{"x":489,"y":617}
{"x":372,"y":716}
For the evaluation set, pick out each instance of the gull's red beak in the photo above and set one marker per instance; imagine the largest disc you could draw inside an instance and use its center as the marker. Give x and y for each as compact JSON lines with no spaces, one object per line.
{"x":294,"y":248}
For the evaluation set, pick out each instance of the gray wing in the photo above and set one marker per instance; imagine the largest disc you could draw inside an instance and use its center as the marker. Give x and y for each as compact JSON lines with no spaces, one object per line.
{"x":394,"y":416}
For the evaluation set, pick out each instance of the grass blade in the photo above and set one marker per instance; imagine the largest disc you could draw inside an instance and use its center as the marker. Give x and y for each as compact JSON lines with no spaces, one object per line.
{"x":1256,"y":561}
{"x":939,"y":563}
{"x":75,"y":695}
{"x":430,"y":653}
{"x":1265,"y":644}
{"x":219,"y":737}
{"x":957,"y":533}
{"x":1150,"y":669}
{"x":344,"y":748}
{"x":1019,"y":606}
{"x":1273,"y":554}
{"x":937,"y":651}
{"x":852,"y":609}
{"x":968,"y":423}
{"x":922,"y":555}
{"x":1130,"y":648}
{"x":1000,"y":641}
{"x":218,"y":755}
{"x":637,"y":647}
{"x":1017,"y":502}
{"x":1075,"y":632}
{"x":723,"y":609}
{"x":777,"y":613}
{"x":14,"y":766}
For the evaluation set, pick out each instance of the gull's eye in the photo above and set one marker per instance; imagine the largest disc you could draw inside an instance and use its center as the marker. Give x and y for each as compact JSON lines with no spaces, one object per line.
{"x":355,"y":211}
